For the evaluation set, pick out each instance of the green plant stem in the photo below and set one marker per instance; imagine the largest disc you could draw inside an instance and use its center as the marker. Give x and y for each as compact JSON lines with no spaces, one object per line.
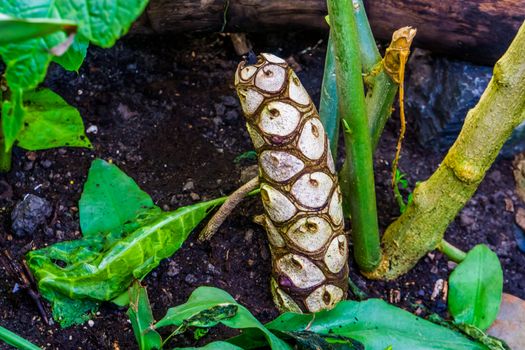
{"x":15,"y":340}
{"x":453,"y":253}
{"x":358,"y":173}
{"x":399,"y":198}
{"x":368,"y":51}
{"x":380,"y":97}
{"x":328,"y":105}
{"x":5,"y":157}
{"x":438,"y":200}
{"x":381,"y":89}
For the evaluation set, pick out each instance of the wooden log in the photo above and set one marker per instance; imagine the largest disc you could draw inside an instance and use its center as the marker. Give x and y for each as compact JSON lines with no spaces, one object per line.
{"x":476,"y":30}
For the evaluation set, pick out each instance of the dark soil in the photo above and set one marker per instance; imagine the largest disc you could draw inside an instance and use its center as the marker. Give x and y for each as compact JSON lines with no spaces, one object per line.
{"x":166,"y":114}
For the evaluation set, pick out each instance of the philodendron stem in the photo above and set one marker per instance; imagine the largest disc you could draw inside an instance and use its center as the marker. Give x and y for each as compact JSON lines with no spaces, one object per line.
{"x":15,"y":340}
{"x":438,"y":200}
{"x":453,"y":253}
{"x":358,"y":173}
{"x":5,"y":156}
{"x":328,"y":111}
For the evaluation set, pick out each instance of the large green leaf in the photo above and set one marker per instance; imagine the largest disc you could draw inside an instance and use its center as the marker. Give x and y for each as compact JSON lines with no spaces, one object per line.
{"x":374,"y":323}
{"x":101,"y":22}
{"x":216,"y":345}
{"x":141,"y":318}
{"x":14,"y":30}
{"x":50,"y":122}
{"x":110,"y":199}
{"x":100,"y":267}
{"x":205,"y":298}
{"x":13,"y":114}
{"x":476,"y":287}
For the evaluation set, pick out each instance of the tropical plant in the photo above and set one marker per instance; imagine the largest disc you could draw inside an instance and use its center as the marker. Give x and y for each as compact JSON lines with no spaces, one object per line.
{"x":351,"y":325}
{"x":35,"y":33}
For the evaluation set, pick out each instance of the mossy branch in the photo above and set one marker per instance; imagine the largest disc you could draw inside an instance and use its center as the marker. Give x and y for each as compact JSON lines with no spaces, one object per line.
{"x":438,"y":200}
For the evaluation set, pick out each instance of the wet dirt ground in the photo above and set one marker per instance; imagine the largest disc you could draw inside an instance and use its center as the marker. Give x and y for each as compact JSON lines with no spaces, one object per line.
{"x":165,"y":112}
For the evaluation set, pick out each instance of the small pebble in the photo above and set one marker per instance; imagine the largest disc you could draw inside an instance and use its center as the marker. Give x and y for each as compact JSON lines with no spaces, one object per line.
{"x":93,"y":129}
{"x":91,"y":323}
{"x":188,"y":186}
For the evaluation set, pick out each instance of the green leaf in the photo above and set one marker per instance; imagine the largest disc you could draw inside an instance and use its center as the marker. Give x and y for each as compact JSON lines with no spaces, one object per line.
{"x":141,"y":318}
{"x":101,"y":22}
{"x":204,"y":298}
{"x":14,"y":30}
{"x":100,"y":267}
{"x":13,"y":114}
{"x":307,"y":340}
{"x":50,"y":122}
{"x":15,"y":340}
{"x":374,"y":323}
{"x":72,"y":59}
{"x":475,"y":288}
{"x":216,"y":345}
{"x":110,"y":199}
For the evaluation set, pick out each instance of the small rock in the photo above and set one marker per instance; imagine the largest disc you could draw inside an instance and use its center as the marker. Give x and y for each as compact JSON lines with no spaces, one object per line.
{"x":125,"y":112}
{"x":46,"y":163}
{"x":438,"y":288}
{"x":31,"y":156}
{"x":191,"y":279}
{"x":248,"y":236}
{"x":232,"y":115}
{"x":451,"y":265}
{"x":510,"y":323}
{"x":495,"y":176}
{"x":466,"y":218}
{"x":28,"y":166}
{"x":188,"y":186}
{"x":220,"y":109}
{"x":173,"y":269}
{"x":91,"y":323}
{"x":93,"y":129}
{"x":213,"y":270}
{"x":28,"y":214}
{"x":194,"y":196}
{"x":229,"y":101}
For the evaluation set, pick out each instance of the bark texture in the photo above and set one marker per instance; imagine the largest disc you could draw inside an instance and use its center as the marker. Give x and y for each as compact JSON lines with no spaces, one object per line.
{"x":477,"y":30}
{"x":299,"y":187}
{"x":438,"y":200}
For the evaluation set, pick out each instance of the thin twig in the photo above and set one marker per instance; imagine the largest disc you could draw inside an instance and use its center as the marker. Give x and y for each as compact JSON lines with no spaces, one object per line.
{"x":26,"y":281}
{"x":226,"y":208}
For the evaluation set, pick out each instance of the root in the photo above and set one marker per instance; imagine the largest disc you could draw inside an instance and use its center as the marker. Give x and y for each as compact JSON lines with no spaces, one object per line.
{"x":226,"y":208}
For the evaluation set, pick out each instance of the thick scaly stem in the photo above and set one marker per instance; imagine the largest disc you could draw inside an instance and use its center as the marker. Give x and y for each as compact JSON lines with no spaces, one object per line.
{"x":299,"y":187}
{"x":438,"y":200}
{"x":358,"y":173}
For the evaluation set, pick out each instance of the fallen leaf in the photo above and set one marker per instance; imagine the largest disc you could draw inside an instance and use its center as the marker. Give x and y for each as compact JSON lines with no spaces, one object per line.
{"x":510,"y":323}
